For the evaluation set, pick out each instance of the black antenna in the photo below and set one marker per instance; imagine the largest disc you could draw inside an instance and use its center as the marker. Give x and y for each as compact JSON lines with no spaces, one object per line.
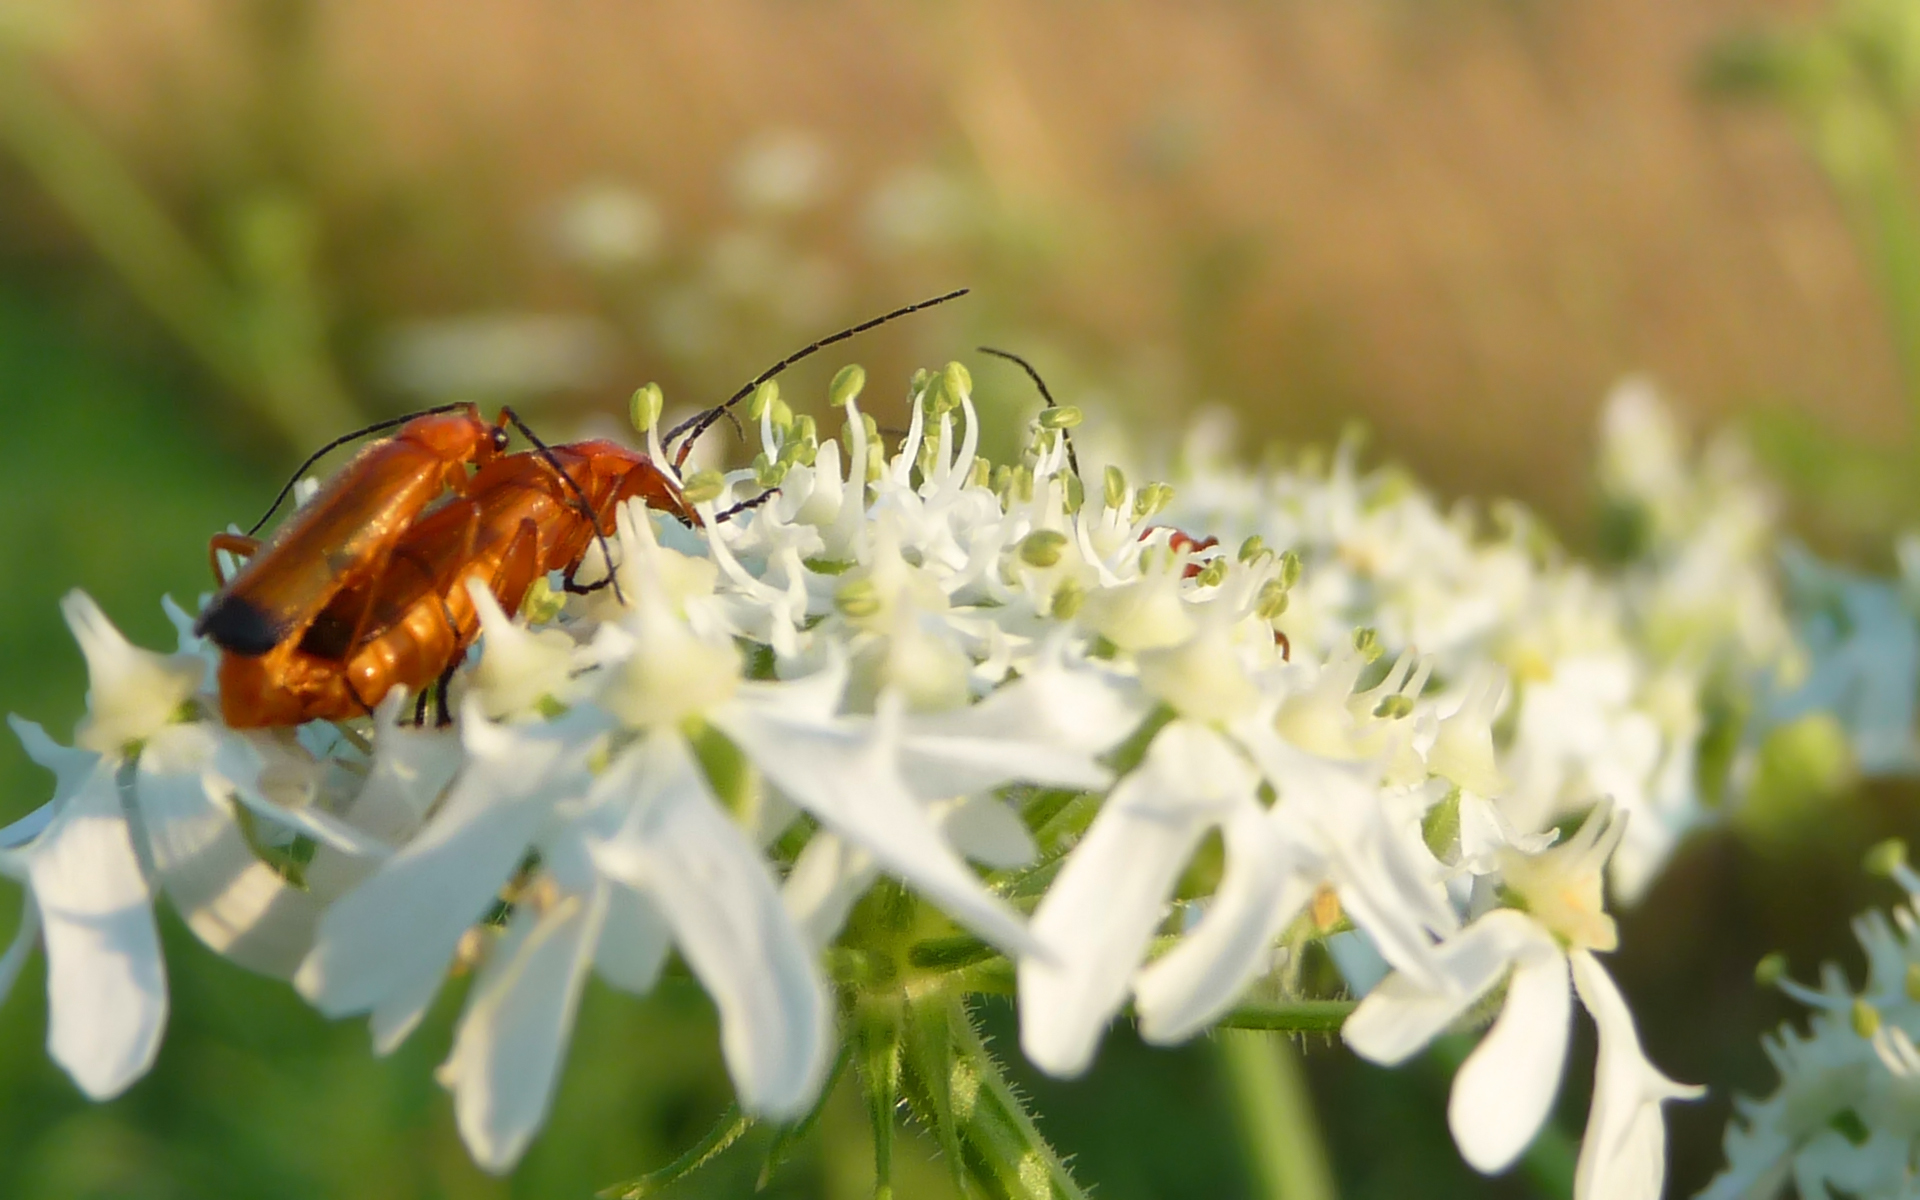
{"x":1073,"y":460}
{"x":699,"y":422}
{"x":586,"y":508}
{"x":335,"y":444}
{"x":746,"y":505}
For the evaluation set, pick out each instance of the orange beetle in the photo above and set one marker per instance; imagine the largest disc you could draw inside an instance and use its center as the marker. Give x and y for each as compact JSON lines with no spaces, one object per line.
{"x":339,"y":541}
{"x":518,"y":518}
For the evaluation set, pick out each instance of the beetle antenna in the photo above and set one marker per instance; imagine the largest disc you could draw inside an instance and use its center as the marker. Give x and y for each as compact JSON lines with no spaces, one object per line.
{"x":746,"y":505}
{"x":335,"y":444}
{"x":697,"y":424}
{"x":586,"y":509}
{"x":1072,"y":459}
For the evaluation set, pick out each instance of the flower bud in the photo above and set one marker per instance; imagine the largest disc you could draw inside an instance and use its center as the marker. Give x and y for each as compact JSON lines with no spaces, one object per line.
{"x":1271,"y":601}
{"x":763,"y":398}
{"x":1864,"y":1018}
{"x":1394,"y":707}
{"x":957,"y":381}
{"x":1043,"y":547}
{"x":848,"y":382}
{"x":1289,"y":569}
{"x":1067,"y":599}
{"x":644,"y":409}
{"x":1367,"y":642}
{"x":857,"y":598}
{"x":702,"y":486}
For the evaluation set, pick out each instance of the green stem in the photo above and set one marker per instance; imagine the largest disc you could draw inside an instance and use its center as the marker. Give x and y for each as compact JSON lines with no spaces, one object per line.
{"x":728,"y":1130}
{"x":1274,"y":1112}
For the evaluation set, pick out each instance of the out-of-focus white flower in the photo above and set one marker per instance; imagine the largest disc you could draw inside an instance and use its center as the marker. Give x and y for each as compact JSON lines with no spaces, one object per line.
{"x":782,"y":171}
{"x":607,"y":227}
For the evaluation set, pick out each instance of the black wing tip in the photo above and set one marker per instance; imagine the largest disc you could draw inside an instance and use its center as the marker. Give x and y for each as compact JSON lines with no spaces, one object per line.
{"x":238,"y":625}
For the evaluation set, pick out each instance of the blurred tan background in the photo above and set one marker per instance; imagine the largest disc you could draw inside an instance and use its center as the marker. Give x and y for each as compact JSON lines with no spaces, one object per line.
{"x":1461,"y":221}
{"x":231,"y":229}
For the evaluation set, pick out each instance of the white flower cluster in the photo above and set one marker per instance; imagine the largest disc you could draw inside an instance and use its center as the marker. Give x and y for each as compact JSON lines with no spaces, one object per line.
{"x":1634,"y":682}
{"x":1842,"y":1120}
{"x":1171,"y":764}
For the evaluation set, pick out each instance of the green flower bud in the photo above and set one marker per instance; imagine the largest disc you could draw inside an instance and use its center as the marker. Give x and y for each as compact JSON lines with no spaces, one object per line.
{"x":1289,"y":569}
{"x":702,"y":486}
{"x":1367,"y":642}
{"x":1116,"y":485}
{"x":1864,"y":1018}
{"x":1271,"y":601}
{"x":644,"y":409}
{"x":1043,"y":547}
{"x":1064,"y":416}
{"x":1394,"y":707}
{"x":957,"y":381}
{"x":770,"y":473}
{"x":763,"y":398}
{"x":857,"y":598}
{"x":1067,"y":599}
{"x":848,"y":382}
{"x":1151,"y":499}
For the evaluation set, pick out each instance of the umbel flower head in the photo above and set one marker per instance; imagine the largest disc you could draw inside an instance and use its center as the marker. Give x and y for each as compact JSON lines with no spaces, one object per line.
{"x":909,"y":728}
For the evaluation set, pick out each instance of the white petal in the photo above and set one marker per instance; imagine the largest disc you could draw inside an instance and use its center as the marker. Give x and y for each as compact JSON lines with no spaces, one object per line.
{"x":634,"y":942}
{"x":411,"y":768}
{"x":508,"y":1050}
{"x":830,"y":875}
{"x":1400,"y":1016}
{"x":1624,"y":1153}
{"x":1505,"y":1089}
{"x":1098,"y":917}
{"x":410,"y":915}
{"x":131,"y":693}
{"x":70,"y":768}
{"x":106,"y":986}
{"x":719,"y":897}
{"x":987,"y":831}
{"x":845,"y":775}
{"x":239,"y":906}
{"x":1190,"y":986}
{"x":1044,"y":729}
{"x":241,"y":761}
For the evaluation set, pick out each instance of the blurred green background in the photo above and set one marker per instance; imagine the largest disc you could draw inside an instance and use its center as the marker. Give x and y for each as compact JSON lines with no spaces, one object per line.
{"x":230,"y":229}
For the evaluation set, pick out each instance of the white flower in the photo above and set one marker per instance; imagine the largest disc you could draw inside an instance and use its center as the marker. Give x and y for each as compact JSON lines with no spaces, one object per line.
{"x":1505,"y":1089}
{"x":89,"y":874}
